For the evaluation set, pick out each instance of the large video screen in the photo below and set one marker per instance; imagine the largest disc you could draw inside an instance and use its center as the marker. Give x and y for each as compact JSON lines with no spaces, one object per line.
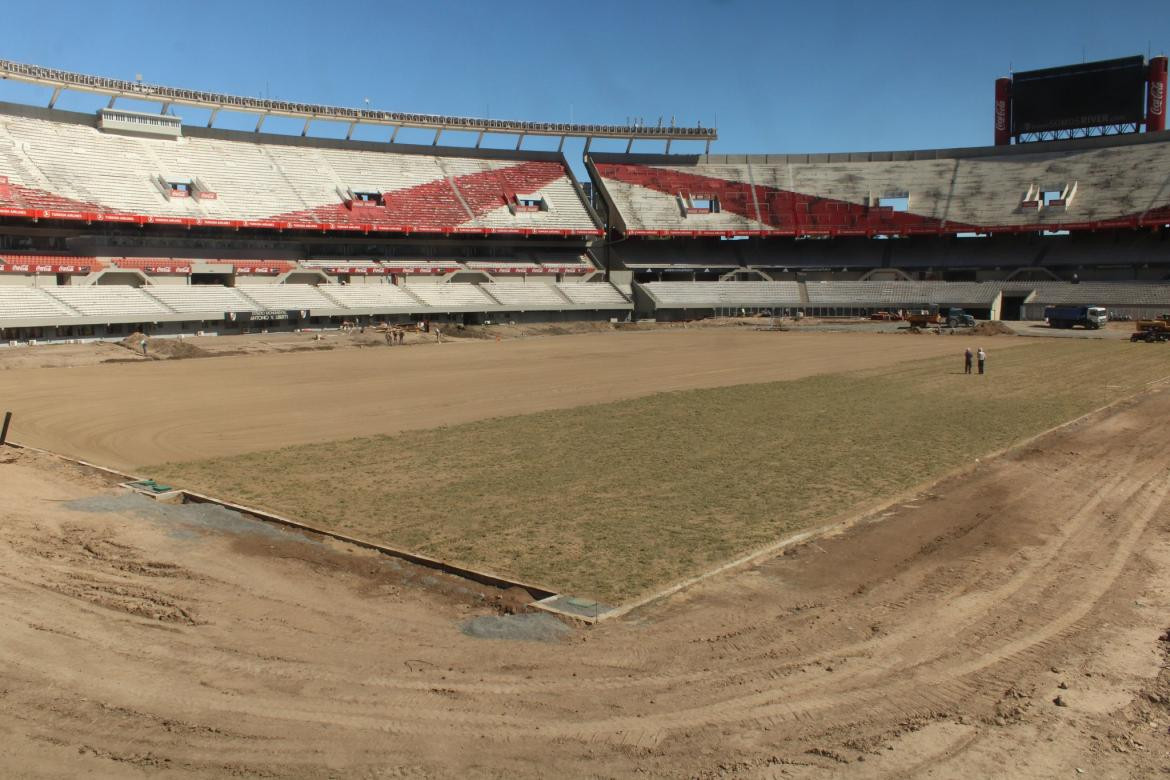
{"x":1109,"y":92}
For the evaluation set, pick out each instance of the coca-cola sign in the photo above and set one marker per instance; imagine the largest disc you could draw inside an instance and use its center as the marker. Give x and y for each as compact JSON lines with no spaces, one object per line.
{"x":1001,"y":115}
{"x":1157,"y":98}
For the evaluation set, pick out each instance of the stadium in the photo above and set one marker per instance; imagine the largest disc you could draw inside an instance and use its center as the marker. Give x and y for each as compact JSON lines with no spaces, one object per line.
{"x":487,"y":468}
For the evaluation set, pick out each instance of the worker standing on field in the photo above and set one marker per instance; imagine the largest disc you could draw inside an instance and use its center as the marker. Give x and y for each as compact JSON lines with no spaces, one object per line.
{"x":967,"y":357}
{"x":982,"y":359}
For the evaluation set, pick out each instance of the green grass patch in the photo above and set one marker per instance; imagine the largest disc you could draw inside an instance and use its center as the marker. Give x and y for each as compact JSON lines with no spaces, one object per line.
{"x":613,"y":500}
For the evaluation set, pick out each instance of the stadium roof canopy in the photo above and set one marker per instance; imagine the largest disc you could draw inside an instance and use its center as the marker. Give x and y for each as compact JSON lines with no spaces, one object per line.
{"x":60,"y":81}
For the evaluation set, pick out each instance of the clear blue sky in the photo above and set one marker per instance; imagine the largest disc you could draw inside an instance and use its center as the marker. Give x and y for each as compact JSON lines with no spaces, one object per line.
{"x":779,"y":76}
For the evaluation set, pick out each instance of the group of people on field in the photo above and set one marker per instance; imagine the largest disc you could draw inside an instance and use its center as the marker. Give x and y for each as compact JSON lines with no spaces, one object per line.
{"x":969,"y":357}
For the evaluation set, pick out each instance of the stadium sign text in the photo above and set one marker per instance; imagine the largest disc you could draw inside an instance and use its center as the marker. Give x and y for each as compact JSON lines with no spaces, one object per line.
{"x":272,"y":314}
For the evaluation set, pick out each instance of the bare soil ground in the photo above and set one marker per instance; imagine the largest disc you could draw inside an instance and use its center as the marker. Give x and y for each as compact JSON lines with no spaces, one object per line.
{"x":146,"y":411}
{"x":932,"y":641}
{"x":612,"y":501}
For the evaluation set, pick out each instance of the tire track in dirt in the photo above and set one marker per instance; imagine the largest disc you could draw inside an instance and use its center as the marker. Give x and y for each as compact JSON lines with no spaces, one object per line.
{"x":934,"y":611}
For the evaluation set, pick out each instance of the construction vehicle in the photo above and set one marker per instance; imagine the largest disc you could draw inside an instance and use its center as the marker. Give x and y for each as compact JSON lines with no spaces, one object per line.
{"x":886,"y":316}
{"x":953,"y":318}
{"x":1160,"y":323}
{"x":1091,"y":317}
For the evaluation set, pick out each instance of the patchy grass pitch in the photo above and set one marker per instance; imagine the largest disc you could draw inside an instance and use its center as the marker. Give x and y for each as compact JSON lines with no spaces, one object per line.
{"x":614,"y":500}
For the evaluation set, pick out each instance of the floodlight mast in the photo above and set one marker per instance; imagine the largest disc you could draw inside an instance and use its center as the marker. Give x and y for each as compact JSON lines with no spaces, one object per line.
{"x":61,"y":80}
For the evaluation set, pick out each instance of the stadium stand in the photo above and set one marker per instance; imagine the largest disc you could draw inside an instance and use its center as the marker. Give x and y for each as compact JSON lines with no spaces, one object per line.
{"x":834,"y":298}
{"x":421,"y":267}
{"x":602,"y":295}
{"x":19,"y":262}
{"x":360,"y":230}
{"x":1045,"y":186}
{"x":109,"y":301}
{"x":527,"y":295}
{"x":60,"y":165}
{"x":723,"y":295}
{"x":1129,"y":300}
{"x":453,"y":297}
{"x":201,"y":298}
{"x":286,"y":296}
{"x":349,"y":264}
{"x":505,"y":266}
{"x":21,"y":304}
{"x":901,"y":294}
{"x":385,"y":298}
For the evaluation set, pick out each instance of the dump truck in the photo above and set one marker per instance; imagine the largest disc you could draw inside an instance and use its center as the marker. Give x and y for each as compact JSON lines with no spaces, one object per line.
{"x":953,"y":318}
{"x":1091,"y":317}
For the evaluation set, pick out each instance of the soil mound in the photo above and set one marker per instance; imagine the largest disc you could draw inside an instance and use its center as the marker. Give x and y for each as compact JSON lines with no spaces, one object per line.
{"x":992,"y":328}
{"x":172,"y":349}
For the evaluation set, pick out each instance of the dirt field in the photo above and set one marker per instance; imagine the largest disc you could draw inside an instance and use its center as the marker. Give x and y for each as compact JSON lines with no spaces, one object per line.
{"x":932,"y":643}
{"x":613,"y":501}
{"x":143,"y":412}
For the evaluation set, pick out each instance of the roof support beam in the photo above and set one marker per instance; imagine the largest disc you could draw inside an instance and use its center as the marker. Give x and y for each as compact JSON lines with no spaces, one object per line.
{"x":305,"y":129}
{"x":561,"y":144}
{"x":349,"y":132}
{"x":166,"y":106}
{"x":479,"y":139}
{"x":260,"y":122}
{"x":211,"y":119}
{"x":394,"y":135}
{"x":519,"y":140}
{"x":56,"y":94}
{"x":629,"y":145}
{"x":668,"y":146}
{"x":588,"y":143}
{"x":137,"y":90}
{"x":438,"y":133}
{"x":113,"y":89}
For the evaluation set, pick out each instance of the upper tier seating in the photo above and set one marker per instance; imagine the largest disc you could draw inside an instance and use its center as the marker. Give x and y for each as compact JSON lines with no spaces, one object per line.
{"x":69,"y":166}
{"x":341,"y":262}
{"x":955,"y":191}
{"x":428,"y":266}
{"x":510,"y":265}
{"x":72,"y":263}
{"x":112,"y":300}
